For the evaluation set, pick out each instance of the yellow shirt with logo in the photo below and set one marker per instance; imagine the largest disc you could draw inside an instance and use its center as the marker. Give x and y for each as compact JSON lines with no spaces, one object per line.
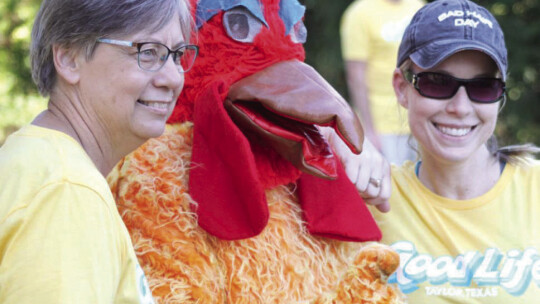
{"x":482,"y":250}
{"x":371,"y":31}
{"x":61,"y":237}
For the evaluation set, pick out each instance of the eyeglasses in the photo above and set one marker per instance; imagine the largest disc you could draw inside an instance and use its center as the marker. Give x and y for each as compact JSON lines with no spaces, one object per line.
{"x":443,"y":86}
{"x":151,"y":56}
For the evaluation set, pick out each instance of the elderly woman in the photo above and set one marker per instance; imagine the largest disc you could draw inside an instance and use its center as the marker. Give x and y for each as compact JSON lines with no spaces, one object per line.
{"x":113,"y":71}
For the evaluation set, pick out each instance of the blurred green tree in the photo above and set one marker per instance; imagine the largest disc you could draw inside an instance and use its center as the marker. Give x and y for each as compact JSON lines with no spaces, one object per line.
{"x":19,"y":101}
{"x":16,"y":18}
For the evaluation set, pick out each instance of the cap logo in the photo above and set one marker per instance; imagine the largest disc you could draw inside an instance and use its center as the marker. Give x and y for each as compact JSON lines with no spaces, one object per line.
{"x":466,"y":18}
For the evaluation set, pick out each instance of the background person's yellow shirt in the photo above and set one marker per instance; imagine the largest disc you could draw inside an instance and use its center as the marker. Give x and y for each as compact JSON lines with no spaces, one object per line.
{"x":371,"y":31}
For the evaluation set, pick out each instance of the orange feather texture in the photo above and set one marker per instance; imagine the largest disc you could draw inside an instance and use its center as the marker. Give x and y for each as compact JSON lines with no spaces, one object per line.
{"x":284,"y":263}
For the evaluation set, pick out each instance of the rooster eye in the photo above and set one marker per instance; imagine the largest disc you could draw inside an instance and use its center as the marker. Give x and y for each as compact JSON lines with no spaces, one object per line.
{"x":241,"y":25}
{"x":299,"y":33}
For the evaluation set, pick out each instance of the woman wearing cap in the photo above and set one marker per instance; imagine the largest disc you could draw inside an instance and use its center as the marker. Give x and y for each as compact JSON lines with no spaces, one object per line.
{"x":112,"y":71}
{"x":464,"y":218}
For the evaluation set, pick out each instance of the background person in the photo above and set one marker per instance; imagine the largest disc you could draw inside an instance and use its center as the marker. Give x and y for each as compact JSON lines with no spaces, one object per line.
{"x":465,"y":217}
{"x":113,"y":81}
{"x":370,"y":34}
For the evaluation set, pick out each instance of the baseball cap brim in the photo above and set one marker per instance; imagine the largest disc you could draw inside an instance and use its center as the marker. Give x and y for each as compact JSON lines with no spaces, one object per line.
{"x":434,"y":53}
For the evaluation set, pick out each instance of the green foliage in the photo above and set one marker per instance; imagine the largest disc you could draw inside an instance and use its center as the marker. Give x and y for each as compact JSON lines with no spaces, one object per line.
{"x":323,"y":45}
{"x":520,"y":119}
{"x":16,"y":18}
{"x":18,"y":110}
{"x":19,"y":102}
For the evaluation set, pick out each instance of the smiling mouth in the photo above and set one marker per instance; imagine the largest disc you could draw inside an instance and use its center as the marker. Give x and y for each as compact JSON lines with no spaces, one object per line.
{"x":452,"y":131}
{"x":156,"y":105}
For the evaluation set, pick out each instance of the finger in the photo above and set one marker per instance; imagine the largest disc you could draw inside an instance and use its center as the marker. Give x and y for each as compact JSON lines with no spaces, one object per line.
{"x":378,"y":202}
{"x":362,"y":181}
{"x":349,"y":160}
{"x":375,"y":180}
{"x":372,"y":191}
{"x":386,"y":188}
{"x":367,"y":179}
{"x":384,"y":206}
{"x":352,"y":170}
{"x":383,"y":203}
{"x":381,"y":200}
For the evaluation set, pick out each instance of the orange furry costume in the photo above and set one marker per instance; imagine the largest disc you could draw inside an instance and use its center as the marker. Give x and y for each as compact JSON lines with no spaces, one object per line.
{"x":219,"y":213}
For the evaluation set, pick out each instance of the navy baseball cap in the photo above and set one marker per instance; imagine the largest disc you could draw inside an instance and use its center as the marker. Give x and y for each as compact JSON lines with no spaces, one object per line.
{"x":444,"y":27}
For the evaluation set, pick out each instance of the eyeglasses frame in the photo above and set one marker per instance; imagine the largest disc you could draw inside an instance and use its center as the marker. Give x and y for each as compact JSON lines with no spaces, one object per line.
{"x":412,"y":78}
{"x":139,"y":45}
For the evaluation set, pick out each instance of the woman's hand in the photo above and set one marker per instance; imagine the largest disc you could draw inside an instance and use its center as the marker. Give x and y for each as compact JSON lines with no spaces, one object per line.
{"x":369,"y":171}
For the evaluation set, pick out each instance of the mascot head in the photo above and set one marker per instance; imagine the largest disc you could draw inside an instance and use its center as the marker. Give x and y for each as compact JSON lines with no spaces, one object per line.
{"x":284,"y":97}
{"x":257,"y":110}
{"x":238,"y":38}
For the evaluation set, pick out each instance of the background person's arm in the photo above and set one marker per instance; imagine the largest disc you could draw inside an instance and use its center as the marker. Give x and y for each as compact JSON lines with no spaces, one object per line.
{"x":359,"y":92}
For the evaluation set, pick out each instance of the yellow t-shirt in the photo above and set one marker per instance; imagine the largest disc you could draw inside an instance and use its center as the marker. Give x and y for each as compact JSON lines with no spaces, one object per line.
{"x":371,"y":31}
{"x":61,"y":237}
{"x":482,"y":250}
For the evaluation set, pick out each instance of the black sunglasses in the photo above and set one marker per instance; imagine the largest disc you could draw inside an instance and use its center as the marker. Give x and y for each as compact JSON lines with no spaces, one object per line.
{"x":443,"y":86}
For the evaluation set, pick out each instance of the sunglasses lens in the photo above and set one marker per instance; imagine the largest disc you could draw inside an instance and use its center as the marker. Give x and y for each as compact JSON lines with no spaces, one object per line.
{"x":441,"y":86}
{"x":485,"y":90}
{"x":437,"y":85}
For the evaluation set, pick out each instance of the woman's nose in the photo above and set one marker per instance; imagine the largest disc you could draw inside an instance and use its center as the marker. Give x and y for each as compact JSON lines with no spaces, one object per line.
{"x":460,"y":104}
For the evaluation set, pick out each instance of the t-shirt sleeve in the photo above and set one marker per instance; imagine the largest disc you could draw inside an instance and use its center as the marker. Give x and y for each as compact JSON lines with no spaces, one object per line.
{"x":65,"y":249}
{"x":354,"y":35}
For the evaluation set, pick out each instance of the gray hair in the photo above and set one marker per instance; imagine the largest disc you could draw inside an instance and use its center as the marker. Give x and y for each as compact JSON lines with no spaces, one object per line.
{"x":78,"y":23}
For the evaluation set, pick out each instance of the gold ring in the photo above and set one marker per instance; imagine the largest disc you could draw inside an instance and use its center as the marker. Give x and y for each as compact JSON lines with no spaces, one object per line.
{"x":375,"y":181}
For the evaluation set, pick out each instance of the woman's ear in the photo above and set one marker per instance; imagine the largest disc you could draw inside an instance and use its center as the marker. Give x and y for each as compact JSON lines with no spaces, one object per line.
{"x":66,"y":62}
{"x":400,"y":86}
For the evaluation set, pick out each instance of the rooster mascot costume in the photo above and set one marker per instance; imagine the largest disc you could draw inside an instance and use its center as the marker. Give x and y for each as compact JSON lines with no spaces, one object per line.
{"x":242,"y":200}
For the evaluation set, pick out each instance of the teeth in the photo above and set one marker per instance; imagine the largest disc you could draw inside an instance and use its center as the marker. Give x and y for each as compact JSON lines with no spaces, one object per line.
{"x":159,"y":105}
{"x":454,"y":131}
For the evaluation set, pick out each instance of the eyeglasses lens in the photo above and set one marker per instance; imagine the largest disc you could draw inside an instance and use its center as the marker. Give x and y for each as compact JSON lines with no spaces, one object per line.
{"x":441,"y":86}
{"x":186,"y":57}
{"x":152,"y":56}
